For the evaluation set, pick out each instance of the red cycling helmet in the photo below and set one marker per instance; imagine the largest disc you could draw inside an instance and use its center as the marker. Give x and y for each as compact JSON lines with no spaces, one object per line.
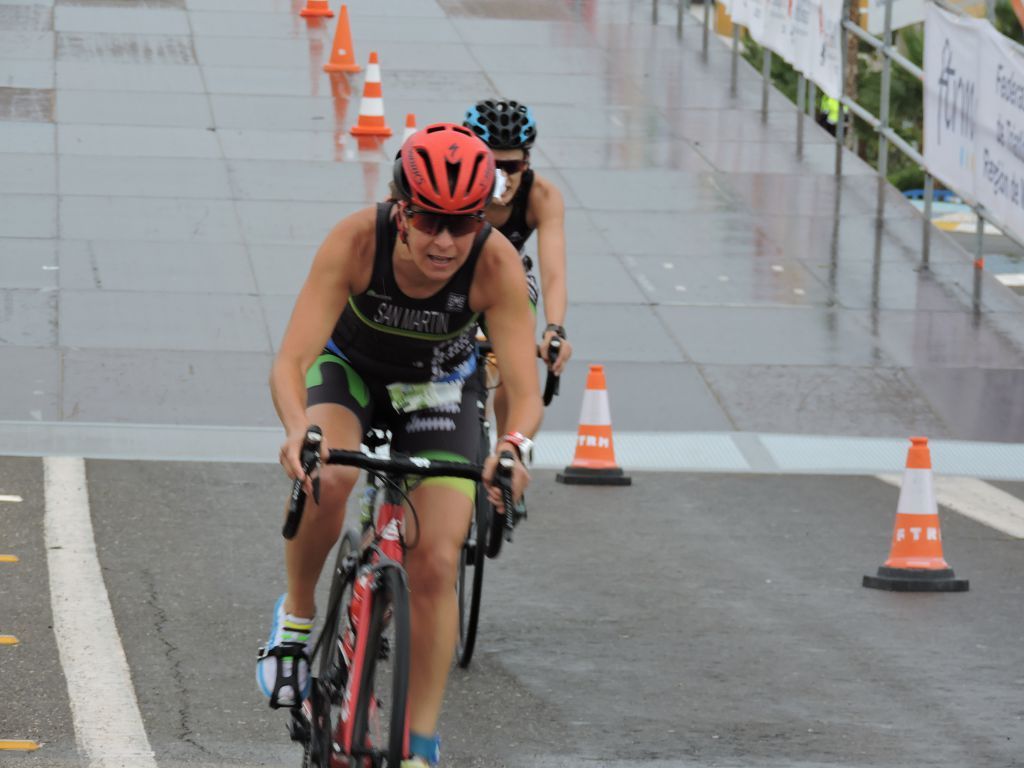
{"x":445,"y":168}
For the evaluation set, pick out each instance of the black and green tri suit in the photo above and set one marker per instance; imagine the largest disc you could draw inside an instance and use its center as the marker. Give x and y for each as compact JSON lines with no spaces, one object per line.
{"x":518,"y":231}
{"x":407,"y":364}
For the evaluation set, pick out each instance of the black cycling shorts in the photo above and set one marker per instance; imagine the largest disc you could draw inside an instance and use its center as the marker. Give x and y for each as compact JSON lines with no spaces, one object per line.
{"x":446,"y":433}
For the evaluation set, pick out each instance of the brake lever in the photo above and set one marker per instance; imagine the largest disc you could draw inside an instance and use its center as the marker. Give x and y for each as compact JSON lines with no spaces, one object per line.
{"x":553,"y":379}
{"x":503,"y":477}
{"x":310,"y":458}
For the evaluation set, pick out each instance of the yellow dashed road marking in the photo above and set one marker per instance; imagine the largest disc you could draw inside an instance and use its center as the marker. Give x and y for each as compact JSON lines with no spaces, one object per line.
{"x":19,"y":744}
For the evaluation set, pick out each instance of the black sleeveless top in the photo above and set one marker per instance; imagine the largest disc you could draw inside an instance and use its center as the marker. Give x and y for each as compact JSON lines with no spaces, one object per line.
{"x":393,"y":337}
{"x":516,"y":229}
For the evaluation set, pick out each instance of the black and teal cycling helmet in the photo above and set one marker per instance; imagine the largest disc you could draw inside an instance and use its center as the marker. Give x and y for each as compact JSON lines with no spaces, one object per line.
{"x":502,"y":124}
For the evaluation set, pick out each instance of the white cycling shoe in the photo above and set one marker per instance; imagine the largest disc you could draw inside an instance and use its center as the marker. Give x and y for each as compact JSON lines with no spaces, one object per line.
{"x":282,"y":666}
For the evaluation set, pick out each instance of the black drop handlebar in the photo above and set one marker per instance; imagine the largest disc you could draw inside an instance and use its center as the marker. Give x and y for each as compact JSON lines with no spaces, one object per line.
{"x":396,"y":464}
{"x":310,"y":457}
{"x":553,"y":379}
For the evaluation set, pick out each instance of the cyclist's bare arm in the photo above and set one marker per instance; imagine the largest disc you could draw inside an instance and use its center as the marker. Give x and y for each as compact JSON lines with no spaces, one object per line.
{"x":342,"y":266}
{"x":548,"y":210}
{"x":499,"y":290}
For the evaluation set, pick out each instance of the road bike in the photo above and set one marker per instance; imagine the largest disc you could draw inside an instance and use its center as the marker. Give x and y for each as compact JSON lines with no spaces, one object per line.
{"x":489,"y":526}
{"x":355,"y":715}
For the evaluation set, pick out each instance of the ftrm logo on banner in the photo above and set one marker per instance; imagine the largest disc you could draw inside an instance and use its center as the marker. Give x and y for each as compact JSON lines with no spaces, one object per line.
{"x":974,"y":114}
{"x":951,"y":72}
{"x":957,"y":109}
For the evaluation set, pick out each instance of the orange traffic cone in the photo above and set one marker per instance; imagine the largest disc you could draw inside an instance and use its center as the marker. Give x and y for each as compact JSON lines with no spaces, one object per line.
{"x":316,"y":8}
{"x":594,"y":462}
{"x":343,"y":58}
{"x":410,"y":126}
{"x":915,"y":561}
{"x":371,"y":108}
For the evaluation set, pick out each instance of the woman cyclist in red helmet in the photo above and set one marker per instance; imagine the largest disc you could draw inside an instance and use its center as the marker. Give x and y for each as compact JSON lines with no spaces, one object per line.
{"x":528,"y":202}
{"x":384,"y":330}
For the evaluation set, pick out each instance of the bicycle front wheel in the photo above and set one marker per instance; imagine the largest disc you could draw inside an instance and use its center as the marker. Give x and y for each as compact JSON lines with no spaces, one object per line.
{"x":324,"y":704}
{"x":379,"y":730}
{"x":471,"y":578}
{"x":331,"y":667}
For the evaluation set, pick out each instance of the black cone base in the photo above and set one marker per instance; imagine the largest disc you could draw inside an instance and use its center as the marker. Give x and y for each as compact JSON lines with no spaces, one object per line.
{"x":916,"y":580}
{"x":585,"y":476}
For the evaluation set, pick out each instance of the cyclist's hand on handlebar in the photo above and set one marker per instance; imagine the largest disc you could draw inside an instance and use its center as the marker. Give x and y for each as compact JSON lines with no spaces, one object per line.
{"x":289,"y":457}
{"x":520,"y":480}
{"x":563,"y":355}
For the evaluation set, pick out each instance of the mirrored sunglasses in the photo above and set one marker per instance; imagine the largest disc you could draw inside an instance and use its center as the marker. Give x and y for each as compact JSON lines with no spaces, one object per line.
{"x":431,"y":223}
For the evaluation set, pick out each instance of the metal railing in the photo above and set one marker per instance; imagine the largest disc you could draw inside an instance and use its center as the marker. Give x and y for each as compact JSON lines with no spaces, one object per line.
{"x":806,"y":99}
{"x":887,"y":136}
{"x":682,"y":9}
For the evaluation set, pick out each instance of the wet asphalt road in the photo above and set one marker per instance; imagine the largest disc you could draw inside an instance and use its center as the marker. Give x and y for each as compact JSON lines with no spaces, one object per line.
{"x":689,"y":620}
{"x":166,"y":170}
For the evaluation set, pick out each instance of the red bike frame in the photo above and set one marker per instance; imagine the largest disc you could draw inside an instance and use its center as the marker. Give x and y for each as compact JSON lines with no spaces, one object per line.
{"x":386,"y":544}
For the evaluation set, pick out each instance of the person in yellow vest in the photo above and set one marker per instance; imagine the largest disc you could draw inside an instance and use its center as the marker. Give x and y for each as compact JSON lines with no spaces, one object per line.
{"x":828,"y":113}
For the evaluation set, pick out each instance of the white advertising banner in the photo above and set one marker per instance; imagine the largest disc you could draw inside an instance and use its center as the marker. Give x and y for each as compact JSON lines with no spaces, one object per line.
{"x":756,"y":12}
{"x":999,"y":132}
{"x":826,"y":59}
{"x":776,"y":28}
{"x":904,"y":13}
{"x":739,"y":12}
{"x":805,"y":33}
{"x":801,"y":15}
{"x":736,"y":10}
{"x":951,"y":70}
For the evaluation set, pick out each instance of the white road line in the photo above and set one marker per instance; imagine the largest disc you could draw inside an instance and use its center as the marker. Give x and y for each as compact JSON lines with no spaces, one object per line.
{"x":1011,"y":280}
{"x":108,"y":724}
{"x":11,"y":498}
{"x":977,"y":500}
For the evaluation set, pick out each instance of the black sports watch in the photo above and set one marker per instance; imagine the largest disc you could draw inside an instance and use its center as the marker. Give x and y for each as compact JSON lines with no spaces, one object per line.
{"x":558,"y":329}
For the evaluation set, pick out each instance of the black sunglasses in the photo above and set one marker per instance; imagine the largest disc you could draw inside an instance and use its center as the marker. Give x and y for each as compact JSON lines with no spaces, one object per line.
{"x":430,"y":223}
{"x":512,"y":166}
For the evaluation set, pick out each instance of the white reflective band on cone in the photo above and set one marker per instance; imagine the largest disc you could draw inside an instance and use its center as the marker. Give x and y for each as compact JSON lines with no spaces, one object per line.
{"x":917,"y":494}
{"x":595,"y":411}
{"x":372,"y":107}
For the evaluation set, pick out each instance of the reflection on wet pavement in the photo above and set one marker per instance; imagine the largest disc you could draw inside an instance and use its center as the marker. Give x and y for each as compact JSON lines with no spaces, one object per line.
{"x":168,"y":167}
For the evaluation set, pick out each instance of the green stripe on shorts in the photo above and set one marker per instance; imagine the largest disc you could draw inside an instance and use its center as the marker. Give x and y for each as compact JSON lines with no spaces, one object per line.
{"x":462,"y":485}
{"x":356,"y":386}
